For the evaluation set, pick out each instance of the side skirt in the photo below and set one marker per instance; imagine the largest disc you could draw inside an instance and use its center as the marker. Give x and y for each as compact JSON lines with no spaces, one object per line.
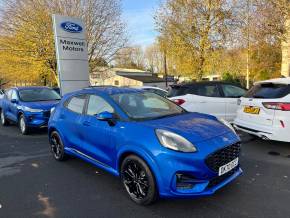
{"x":79,"y":154}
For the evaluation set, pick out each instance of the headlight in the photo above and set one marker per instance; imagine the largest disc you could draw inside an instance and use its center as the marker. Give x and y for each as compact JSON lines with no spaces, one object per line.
{"x":174,"y":141}
{"x":32,"y":110}
{"x":226,"y":123}
{"x":52,"y":110}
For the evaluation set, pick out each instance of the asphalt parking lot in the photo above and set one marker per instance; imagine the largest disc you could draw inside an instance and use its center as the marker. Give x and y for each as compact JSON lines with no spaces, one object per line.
{"x":32,"y":184}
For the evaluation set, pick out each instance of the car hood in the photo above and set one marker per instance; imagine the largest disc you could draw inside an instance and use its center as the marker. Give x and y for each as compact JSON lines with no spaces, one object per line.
{"x":195,"y":127}
{"x":44,"y":105}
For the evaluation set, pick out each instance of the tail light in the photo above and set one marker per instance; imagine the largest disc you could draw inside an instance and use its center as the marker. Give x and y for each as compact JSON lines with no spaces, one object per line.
{"x":179,"y":101}
{"x":282,"y":106}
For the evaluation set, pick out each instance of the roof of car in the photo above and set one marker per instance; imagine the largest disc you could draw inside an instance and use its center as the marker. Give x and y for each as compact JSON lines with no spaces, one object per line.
{"x":277,"y":80}
{"x":148,"y":87}
{"x":205,"y":83}
{"x":111,"y":90}
{"x":30,"y":87}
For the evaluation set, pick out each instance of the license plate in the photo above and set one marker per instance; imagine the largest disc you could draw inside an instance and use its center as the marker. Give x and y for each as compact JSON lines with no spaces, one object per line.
{"x":252,"y":110}
{"x":228,"y":167}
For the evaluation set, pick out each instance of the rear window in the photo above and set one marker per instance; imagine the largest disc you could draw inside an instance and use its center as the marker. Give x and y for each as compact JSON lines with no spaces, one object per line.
{"x":268,"y":91}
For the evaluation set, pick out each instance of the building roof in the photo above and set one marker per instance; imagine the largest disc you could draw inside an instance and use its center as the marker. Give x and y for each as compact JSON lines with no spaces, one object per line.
{"x":145,"y":79}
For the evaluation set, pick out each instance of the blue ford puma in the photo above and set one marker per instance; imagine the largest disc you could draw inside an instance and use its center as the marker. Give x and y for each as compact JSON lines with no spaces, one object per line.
{"x":156,"y":147}
{"x":29,"y":107}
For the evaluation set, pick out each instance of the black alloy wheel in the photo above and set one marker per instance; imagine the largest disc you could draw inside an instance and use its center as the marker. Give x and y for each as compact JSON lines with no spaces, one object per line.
{"x":57,"y":147}
{"x":138,"y":180}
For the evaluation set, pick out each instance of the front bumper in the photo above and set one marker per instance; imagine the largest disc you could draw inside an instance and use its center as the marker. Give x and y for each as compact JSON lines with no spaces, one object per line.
{"x":37,"y":120}
{"x":200,"y":179}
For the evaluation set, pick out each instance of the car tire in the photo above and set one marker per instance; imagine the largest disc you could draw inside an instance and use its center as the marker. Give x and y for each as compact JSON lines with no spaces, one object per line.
{"x":138,"y":180}
{"x":24,"y":129}
{"x":4,"y":121}
{"x":57,"y":147}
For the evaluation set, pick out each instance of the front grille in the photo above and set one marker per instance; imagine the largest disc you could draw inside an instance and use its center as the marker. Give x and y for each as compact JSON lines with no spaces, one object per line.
{"x":223,"y":156}
{"x":46,"y":114}
{"x":217,"y":180}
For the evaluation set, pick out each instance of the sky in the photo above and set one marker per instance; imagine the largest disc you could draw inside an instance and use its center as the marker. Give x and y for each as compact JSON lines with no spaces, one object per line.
{"x":138,"y":14}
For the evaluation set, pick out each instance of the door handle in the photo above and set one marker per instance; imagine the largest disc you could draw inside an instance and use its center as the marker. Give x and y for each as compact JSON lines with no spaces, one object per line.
{"x":86,"y":123}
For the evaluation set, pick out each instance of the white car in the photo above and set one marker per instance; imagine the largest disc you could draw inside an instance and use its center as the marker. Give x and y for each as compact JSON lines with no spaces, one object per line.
{"x":153,"y":89}
{"x":265,"y":110}
{"x":216,"y":98}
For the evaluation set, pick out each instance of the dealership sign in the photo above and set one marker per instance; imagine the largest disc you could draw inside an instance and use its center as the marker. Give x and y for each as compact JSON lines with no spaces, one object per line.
{"x":71,"y":53}
{"x":71,"y":27}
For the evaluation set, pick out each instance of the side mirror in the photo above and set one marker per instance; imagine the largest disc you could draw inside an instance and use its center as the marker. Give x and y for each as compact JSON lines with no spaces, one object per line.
{"x":105,"y":116}
{"x":14,"y":101}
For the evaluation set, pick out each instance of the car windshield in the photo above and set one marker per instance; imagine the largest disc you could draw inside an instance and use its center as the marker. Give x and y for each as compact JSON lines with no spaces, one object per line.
{"x":146,"y":106}
{"x":38,"y":94}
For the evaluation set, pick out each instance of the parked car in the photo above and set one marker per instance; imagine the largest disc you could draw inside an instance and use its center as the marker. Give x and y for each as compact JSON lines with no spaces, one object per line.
{"x":265,"y":110}
{"x":2,"y":93}
{"x":28,"y":107}
{"x":155,"y":146}
{"x":216,"y":98}
{"x":153,"y":89}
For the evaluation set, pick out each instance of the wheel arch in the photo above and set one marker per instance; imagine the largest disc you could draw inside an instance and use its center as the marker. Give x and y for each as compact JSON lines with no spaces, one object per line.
{"x":19,"y":113}
{"x":145,"y":157}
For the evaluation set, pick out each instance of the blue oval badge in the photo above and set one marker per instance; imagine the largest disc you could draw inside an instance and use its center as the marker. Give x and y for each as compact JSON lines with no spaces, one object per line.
{"x":71,"y":27}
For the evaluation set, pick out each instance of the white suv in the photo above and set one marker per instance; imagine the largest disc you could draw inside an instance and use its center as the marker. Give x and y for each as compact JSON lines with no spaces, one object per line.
{"x":216,"y":98}
{"x":265,"y":110}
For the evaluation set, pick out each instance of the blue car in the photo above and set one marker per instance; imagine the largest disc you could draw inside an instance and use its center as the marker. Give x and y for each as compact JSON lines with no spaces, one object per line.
{"x":29,"y":107}
{"x":156,"y":147}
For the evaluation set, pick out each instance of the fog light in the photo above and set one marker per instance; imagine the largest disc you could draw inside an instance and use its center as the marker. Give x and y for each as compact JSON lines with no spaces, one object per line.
{"x":184,"y":181}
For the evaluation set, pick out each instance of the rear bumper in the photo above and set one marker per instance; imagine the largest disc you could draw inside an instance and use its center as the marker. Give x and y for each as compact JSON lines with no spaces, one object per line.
{"x":275,"y":132}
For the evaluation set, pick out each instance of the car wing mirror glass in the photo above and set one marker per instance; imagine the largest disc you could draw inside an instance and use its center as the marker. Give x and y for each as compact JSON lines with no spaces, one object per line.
{"x":14,"y":101}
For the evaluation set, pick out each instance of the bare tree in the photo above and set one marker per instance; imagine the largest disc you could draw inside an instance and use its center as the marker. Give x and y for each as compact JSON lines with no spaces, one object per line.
{"x":130,"y":57}
{"x":26,"y":28}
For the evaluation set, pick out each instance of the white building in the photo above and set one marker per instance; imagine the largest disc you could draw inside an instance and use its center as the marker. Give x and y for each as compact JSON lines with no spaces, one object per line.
{"x":127,"y":77}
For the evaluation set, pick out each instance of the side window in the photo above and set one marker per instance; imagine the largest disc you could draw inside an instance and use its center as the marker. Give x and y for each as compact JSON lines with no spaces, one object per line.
{"x":76,"y":104}
{"x":9,"y":94}
{"x":208,"y":91}
{"x":98,"y":105}
{"x":231,"y":91}
{"x":14,"y":95}
{"x":155,"y":103}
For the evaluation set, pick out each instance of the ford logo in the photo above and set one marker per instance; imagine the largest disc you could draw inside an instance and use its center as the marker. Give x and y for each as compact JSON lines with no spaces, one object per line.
{"x":71,"y":27}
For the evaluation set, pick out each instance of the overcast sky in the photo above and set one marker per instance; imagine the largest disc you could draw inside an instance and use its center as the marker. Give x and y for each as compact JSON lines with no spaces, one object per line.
{"x":138,"y":14}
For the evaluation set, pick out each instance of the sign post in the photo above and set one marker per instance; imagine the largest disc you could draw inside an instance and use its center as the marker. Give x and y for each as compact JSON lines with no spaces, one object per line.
{"x":71,"y":53}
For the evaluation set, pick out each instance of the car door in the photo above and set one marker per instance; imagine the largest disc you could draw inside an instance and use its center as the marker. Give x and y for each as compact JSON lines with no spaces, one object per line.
{"x":71,"y":120}
{"x":13,"y":106}
{"x":8,"y":107}
{"x":206,"y":98}
{"x":97,"y":134}
{"x":232,"y":94}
